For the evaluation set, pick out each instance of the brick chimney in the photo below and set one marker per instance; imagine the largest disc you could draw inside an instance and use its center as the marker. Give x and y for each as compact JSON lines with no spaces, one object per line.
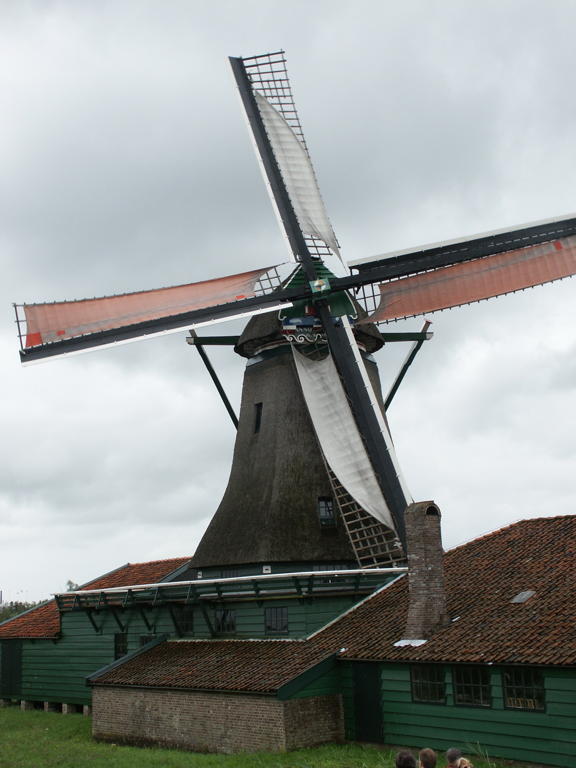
{"x":427,"y":602}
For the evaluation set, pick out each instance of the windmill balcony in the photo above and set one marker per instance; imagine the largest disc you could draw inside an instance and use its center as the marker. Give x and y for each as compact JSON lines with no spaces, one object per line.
{"x":257,"y":587}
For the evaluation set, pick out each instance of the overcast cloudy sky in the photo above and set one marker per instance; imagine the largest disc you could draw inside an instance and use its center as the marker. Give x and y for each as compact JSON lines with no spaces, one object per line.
{"x":126,"y":165}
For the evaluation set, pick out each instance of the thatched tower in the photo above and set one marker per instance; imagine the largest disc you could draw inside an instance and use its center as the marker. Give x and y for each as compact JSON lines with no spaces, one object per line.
{"x":274,"y":510}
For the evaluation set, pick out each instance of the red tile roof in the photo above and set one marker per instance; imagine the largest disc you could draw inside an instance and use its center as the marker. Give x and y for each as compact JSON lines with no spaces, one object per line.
{"x":225,"y":665}
{"x":138,"y":573}
{"x":482,"y":577}
{"x":44,"y":621}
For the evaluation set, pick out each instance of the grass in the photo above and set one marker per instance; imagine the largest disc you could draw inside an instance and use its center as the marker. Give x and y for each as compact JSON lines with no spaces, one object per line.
{"x":51,"y":740}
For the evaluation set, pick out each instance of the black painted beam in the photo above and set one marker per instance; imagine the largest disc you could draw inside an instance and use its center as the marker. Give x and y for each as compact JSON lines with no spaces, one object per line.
{"x":455,"y":253}
{"x":406,"y":336}
{"x":407,"y":363}
{"x":183,"y":320}
{"x":363,"y":412}
{"x":214,"y":376}
{"x":279,"y":191}
{"x":211,"y":341}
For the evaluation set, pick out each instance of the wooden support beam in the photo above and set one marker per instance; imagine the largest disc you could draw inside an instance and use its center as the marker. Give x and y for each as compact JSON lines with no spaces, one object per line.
{"x":144,"y":618}
{"x":222,"y":341}
{"x":207,"y":620}
{"x":114,"y":612}
{"x":89,"y":613}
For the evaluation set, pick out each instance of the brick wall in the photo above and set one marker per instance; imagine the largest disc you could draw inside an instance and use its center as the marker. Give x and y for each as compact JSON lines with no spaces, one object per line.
{"x":213,"y":722}
{"x":427,"y":605}
{"x":312,"y":721}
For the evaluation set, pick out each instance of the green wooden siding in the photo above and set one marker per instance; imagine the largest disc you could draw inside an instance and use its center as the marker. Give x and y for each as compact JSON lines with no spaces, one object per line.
{"x":542,"y":737}
{"x":212,"y":572}
{"x":321,"y":680}
{"x":347,"y":690}
{"x":55,"y":670}
{"x":304,"y":615}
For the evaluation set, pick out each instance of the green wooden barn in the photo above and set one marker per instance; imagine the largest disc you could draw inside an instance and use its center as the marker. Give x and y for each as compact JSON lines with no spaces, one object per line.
{"x":499,"y":677}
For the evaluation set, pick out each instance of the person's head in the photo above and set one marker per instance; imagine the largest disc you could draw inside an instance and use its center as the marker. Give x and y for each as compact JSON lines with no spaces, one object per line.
{"x":453,"y":755}
{"x":427,"y":758}
{"x":463,"y":763}
{"x":405,"y":760}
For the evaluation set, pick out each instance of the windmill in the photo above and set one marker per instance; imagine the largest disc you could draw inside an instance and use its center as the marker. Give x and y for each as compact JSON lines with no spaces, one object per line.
{"x":323,"y":319}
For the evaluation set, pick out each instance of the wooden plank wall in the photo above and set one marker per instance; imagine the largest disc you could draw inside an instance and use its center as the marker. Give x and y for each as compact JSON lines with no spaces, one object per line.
{"x":55,"y":670}
{"x":541,"y":737}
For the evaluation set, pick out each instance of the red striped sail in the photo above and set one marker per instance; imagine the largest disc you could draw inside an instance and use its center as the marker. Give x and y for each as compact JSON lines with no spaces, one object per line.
{"x":476,"y":280}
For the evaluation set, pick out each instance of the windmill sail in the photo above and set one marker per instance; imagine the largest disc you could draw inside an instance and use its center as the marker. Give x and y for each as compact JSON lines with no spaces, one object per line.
{"x":67,"y":326}
{"x":339,"y":436}
{"x":443,"y":254}
{"x":473,"y":281}
{"x":298,"y":175}
{"x":281,"y":148}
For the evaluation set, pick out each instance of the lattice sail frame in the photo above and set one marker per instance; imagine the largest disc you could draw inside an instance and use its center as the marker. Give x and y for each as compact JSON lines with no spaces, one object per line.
{"x":446,"y":275}
{"x":268,"y":76}
{"x":46,"y":325}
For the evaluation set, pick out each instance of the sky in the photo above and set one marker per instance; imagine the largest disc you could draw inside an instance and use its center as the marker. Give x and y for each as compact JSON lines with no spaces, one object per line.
{"x":126,"y":165}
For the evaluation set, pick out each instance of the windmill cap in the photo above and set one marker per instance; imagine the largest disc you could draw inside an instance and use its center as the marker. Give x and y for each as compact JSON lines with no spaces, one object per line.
{"x":263,"y":330}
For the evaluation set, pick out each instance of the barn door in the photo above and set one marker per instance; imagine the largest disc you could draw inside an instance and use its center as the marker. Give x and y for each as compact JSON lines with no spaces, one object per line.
{"x":10,"y":668}
{"x":367,"y":702}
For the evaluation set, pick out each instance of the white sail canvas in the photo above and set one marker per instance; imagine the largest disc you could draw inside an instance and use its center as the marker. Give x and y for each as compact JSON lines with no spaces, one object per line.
{"x":338,"y":434}
{"x":298,"y":175}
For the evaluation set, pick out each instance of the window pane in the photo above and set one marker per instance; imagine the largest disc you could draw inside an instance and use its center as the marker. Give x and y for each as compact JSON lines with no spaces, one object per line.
{"x":276,"y":620}
{"x":184,"y":617}
{"x":472,"y":686}
{"x":428,"y":683}
{"x":224,"y":621}
{"x":523,"y":688}
{"x":326,"y":512}
{"x":120,"y":644}
{"x":257,"y":417}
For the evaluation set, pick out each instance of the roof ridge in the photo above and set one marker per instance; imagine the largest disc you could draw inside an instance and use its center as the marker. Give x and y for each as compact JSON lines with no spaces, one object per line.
{"x":526,"y":521}
{"x":161,"y":560}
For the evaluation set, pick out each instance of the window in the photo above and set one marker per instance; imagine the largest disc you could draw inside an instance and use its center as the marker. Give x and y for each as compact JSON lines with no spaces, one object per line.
{"x":183,"y":618}
{"x":523,"y":688}
{"x":428,"y":683}
{"x":224,"y":621}
{"x":276,"y":621}
{"x":326,"y":512}
{"x":471,"y":686}
{"x":257,"y":417}
{"x":328,"y":567}
{"x":120,"y":644}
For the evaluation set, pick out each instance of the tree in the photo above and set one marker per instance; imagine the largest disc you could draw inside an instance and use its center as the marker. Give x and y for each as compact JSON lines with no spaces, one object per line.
{"x":8,"y":610}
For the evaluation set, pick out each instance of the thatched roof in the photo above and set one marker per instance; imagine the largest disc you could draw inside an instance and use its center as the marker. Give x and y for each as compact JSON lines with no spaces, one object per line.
{"x":269,"y":512}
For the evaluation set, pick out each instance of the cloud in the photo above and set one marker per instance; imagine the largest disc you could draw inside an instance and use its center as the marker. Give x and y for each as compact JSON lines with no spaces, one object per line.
{"x":126,"y":165}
